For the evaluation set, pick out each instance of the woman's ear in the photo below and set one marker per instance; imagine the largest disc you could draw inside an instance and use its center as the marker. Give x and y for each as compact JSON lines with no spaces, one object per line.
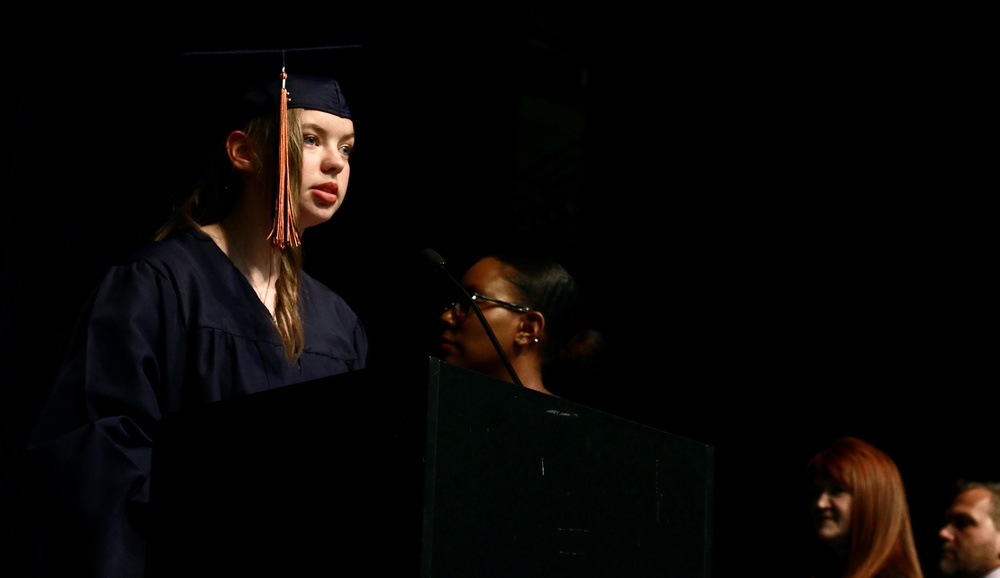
{"x":240,"y":153}
{"x":530,"y":328}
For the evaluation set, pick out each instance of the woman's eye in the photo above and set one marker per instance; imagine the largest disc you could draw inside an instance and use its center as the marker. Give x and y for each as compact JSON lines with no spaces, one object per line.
{"x":310,"y":140}
{"x":346,"y":150}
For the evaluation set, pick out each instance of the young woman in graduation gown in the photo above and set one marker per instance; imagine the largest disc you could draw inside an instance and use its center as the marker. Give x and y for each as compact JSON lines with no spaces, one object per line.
{"x":218,"y":306}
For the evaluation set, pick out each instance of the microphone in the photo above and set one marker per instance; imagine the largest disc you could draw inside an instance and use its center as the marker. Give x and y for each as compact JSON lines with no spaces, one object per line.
{"x":438,"y":263}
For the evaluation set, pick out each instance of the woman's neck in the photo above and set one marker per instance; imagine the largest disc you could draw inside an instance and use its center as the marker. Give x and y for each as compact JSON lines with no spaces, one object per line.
{"x":529,"y":371}
{"x":251,"y":253}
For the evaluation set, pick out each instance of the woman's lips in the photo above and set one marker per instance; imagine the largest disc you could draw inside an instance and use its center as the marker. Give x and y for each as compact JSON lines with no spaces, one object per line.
{"x":324,"y":196}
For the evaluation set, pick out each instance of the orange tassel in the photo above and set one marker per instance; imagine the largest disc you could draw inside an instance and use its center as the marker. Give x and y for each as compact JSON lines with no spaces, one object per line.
{"x":283,"y":233}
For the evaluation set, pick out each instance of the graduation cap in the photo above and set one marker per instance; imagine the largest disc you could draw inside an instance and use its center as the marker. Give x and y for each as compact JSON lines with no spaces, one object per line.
{"x":273,"y":89}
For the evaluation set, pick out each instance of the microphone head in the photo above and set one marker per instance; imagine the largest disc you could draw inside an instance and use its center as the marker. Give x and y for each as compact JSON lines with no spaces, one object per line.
{"x":433,"y":258}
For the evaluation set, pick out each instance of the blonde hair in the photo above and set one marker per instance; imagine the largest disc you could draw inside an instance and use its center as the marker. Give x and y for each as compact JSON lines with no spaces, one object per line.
{"x":217,"y":191}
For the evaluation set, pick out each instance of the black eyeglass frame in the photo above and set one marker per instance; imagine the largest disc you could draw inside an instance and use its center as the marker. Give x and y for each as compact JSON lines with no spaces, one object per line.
{"x":463,"y":309}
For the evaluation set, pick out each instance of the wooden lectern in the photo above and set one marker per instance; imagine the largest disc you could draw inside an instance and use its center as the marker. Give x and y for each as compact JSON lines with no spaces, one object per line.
{"x":424,"y":470}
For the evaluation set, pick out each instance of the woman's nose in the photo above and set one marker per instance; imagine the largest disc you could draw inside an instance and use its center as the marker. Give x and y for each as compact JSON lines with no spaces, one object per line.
{"x":334,"y":162}
{"x":448,"y":317}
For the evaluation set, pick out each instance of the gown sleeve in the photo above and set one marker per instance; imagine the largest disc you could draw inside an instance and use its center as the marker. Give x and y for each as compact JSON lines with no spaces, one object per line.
{"x":91,"y":448}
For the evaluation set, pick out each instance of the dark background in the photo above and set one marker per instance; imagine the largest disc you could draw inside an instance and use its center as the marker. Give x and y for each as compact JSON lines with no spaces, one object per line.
{"x":781,"y":221}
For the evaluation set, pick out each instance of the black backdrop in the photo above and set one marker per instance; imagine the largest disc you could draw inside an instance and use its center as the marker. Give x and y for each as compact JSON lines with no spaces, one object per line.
{"x":782,"y":230}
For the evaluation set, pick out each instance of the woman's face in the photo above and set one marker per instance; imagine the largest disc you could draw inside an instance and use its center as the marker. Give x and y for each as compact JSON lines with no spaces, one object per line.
{"x":464,"y":341}
{"x":328,"y":141}
{"x":831,"y":510}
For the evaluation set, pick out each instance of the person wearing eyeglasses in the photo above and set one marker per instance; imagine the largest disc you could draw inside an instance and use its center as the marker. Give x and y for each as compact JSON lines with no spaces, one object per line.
{"x":536,"y":311}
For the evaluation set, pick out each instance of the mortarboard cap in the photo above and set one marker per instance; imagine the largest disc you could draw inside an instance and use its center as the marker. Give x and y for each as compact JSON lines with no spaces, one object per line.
{"x":304,"y":91}
{"x":253,"y":79}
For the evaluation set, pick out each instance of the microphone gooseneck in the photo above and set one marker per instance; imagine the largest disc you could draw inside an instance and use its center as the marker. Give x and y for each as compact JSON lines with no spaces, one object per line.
{"x":438,"y":262}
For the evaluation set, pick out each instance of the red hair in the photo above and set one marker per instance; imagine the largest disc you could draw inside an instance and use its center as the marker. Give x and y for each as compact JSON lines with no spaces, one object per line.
{"x":881,"y":535}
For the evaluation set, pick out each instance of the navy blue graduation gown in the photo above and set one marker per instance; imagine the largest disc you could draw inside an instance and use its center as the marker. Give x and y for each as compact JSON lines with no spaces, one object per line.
{"x":175,"y":326}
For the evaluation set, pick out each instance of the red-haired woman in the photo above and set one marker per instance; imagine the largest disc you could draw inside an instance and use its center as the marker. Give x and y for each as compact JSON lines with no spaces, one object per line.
{"x":860,"y":514}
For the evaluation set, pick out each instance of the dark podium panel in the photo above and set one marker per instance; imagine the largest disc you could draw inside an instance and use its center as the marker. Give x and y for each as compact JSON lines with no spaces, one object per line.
{"x":424,"y":470}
